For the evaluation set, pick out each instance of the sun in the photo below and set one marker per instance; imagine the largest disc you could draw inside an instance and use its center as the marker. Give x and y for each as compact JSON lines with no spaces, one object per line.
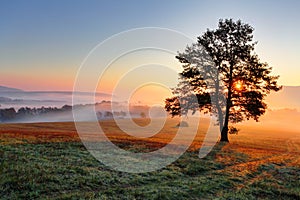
{"x":238,"y":85}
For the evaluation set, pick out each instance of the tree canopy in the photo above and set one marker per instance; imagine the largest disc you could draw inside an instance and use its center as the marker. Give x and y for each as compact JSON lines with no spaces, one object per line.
{"x":226,"y":75}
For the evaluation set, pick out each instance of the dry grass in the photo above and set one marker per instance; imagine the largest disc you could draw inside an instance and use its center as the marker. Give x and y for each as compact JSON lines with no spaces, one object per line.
{"x":66,"y":132}
{"x":259,"y":162}
{"x":260,"y":144}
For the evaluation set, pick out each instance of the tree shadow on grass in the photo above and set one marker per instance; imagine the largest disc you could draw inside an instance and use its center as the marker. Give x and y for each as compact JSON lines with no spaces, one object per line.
{"x":215,"y":150}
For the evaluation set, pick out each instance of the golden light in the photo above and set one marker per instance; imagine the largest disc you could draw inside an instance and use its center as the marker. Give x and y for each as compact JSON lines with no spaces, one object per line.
{"x":238,"y":85}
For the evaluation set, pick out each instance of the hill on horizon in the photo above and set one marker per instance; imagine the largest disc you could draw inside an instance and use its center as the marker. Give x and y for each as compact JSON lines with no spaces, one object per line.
{"x":288,"y":97}
{"x":9,"y":89}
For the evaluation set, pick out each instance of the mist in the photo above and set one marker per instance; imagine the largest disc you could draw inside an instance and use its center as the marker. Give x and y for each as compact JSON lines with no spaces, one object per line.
{"x":285,"y":120}
{"x":18,"y":99}
{"x":88,"y":112}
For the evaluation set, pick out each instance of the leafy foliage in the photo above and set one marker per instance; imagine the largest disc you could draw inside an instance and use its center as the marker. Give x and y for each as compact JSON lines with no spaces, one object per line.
{"x":225,"y":74}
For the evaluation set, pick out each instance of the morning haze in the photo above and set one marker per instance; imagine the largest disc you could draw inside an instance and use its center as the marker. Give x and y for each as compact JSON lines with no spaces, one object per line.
{"x":149,"y":99}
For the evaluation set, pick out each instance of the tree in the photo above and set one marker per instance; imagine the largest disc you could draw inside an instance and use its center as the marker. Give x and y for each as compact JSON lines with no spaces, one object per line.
{"x":7,"y":114}
{"x":143,"y":115}
{"x":223,"y":68}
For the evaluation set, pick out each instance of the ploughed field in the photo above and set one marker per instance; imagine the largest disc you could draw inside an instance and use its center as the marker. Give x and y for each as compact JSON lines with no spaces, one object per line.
{"x":49,"y":161}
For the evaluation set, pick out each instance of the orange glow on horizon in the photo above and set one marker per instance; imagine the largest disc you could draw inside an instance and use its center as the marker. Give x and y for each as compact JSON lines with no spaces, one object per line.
{"x":150,"y":95}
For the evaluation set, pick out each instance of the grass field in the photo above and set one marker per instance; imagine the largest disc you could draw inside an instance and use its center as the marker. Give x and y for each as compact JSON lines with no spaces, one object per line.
{"x":48,"y":161}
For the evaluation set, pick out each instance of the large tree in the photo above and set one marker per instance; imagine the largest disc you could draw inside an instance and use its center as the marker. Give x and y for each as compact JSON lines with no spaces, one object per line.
{"x":226,"y":75}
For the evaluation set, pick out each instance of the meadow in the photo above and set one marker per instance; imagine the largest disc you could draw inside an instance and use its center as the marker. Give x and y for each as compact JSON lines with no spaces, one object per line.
{"x":49,"y":161}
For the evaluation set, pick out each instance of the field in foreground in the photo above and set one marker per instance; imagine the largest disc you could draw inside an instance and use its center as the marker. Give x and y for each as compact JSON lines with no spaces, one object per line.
{"x":48,"y":161}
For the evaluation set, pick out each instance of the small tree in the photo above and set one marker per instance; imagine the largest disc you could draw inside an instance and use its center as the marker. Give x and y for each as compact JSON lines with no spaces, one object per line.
{"x":143,"y":115}
{"x":223,"y":67}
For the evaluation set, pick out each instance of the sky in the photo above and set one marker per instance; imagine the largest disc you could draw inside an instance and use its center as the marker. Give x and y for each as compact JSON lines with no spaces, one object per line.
{"x":43,"y":43}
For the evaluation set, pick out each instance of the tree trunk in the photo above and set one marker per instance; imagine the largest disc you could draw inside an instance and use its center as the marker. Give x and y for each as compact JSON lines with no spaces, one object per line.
{"x":224,"y":134}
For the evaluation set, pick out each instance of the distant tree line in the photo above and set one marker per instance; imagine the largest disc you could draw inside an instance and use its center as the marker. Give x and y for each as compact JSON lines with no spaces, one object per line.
{"x":110,"y":115}
{"x":10,"y":114}
{"x":24,"y":113}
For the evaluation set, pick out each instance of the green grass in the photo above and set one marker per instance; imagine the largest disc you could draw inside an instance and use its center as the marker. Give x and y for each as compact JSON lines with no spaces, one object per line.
{"x":67,"y":171}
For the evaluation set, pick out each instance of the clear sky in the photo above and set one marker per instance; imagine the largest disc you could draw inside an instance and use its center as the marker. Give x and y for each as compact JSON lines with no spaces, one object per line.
{"x":42,"y":43}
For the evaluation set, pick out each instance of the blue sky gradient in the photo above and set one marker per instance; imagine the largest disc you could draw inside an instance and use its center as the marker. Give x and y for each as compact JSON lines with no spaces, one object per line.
{"x":44,"y":42}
